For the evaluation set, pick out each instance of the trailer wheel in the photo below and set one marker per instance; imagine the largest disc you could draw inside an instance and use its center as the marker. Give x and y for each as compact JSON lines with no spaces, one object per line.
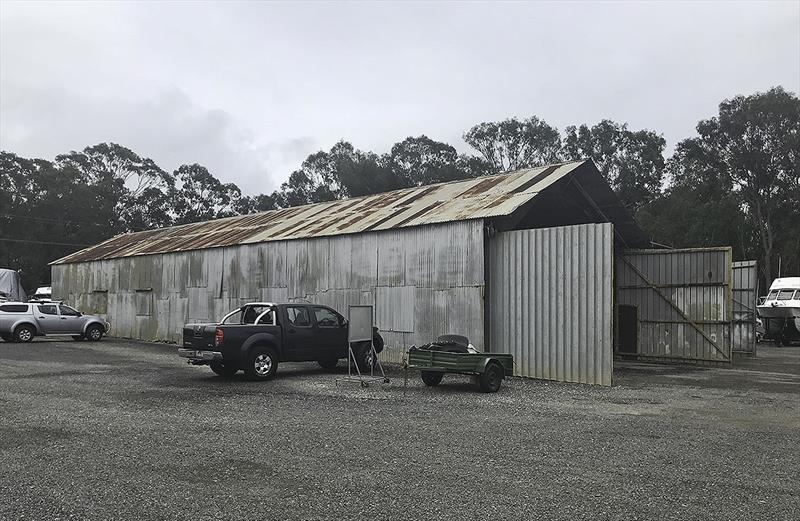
{"x":431,"y":378}
{"x":491,"y":379}
{"x":7,"y":337}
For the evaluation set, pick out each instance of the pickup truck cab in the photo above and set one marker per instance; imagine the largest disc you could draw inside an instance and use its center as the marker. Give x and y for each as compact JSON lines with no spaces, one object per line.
{"x":258,"y":336}
{"x":21,"y":321}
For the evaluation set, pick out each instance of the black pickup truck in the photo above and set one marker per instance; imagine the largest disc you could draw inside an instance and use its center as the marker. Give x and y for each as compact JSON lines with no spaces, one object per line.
{"x":259,"y":335}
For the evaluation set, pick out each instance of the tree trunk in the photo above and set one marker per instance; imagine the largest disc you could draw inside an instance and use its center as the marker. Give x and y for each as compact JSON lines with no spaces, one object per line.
{"x":767,"y":238}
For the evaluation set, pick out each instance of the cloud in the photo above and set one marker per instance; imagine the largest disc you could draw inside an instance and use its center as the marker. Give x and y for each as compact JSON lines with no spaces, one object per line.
{"x":169,"y":128}
{"x":249,"y":89}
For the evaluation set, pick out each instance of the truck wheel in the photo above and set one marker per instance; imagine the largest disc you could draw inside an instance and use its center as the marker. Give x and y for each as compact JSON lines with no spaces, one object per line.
{"x":329,"y":364}
{"x":24,"y":333}
{"x":490,"y":380}
{"x":432,"y":378}
{"x":222,"y":369}
{"x":261,"y":364}
{"x":94,"y":333}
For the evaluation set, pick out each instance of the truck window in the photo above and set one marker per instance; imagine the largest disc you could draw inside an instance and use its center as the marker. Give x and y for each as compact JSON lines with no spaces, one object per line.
{"x":68,"y":311}
{"x":326,"y":317}
{"x":14,"y":308}
{"x":48,"y":309}
{"x":298,"y":316}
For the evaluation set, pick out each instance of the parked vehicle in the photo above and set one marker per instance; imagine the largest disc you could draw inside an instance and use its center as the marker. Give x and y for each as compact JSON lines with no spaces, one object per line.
{"x":21,"y":321}
{"x":454,"y":354}
{"x":780,"y":311}
{"x":260,"y":335}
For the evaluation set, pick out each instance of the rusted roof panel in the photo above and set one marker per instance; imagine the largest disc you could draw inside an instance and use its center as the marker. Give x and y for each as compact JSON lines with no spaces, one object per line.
{"x":489,"y":196}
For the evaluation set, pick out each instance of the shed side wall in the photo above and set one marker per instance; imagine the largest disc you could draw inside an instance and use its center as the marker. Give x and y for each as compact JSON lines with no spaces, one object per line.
{"x":423,"y":282}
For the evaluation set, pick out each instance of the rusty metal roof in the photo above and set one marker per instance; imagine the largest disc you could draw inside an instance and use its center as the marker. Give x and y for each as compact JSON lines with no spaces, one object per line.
{"x":488,"y":196}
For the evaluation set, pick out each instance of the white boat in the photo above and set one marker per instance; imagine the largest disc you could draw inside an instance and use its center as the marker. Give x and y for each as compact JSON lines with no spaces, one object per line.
{"x":43,"y":294}
{"x":780,"y":310}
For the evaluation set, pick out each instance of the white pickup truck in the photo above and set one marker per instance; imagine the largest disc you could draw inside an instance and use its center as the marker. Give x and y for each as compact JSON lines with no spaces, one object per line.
{"x":21,"y":321}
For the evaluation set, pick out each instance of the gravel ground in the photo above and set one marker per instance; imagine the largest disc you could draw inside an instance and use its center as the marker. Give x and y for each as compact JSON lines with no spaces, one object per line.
{"x":126,"y":430}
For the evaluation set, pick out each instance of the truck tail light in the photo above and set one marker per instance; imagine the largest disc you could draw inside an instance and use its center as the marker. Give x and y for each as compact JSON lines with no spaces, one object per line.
{"x":219,"y":336}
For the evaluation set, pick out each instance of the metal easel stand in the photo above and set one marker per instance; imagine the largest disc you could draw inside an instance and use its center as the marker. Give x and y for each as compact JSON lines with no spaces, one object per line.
{"x":363,"y":378}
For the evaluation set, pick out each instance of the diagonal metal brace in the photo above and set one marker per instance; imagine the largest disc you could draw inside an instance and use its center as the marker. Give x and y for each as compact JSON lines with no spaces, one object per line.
{"x":674,"y":306}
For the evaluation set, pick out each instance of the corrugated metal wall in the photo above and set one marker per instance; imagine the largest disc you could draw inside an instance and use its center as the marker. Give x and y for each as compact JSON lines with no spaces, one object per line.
{"x":424,"y":282}
{"x":550,"y":293}
{"x":745,"y":295}
{"x":683,"y":300}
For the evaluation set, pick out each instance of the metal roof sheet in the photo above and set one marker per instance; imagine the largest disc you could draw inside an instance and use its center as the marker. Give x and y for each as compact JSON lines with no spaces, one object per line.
{"x":488,"y":196}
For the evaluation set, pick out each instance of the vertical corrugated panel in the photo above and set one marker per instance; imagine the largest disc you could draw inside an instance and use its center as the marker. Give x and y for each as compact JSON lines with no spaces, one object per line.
{"x":394,"y":308}
{"x":60,"y":281}
{"x":392,"y":258}
{"x":551,"y":301}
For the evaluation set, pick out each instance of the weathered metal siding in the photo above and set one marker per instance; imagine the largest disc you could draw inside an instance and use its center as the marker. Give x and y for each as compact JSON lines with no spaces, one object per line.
{"x":683,"y":300}
{"x":745,"y":295}
{"x":423,"y":282}
{"x":550,"y":293}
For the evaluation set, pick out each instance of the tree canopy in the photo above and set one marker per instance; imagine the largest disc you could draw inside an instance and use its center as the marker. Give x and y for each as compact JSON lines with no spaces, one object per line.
{"x":737,"y":182}
{"x":632,"y":161}
{"x":744,"y":164}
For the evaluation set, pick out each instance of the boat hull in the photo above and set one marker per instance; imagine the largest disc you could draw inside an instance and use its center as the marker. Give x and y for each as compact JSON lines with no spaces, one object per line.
{"x":781,"y":323}
{"x":779,"y":312}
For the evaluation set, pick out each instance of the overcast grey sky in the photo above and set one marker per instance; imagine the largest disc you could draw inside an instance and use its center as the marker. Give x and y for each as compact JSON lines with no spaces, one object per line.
{"x":249,"y":89}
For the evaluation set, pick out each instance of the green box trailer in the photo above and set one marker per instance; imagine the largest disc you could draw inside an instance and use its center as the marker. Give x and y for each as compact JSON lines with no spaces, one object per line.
{"x":489,"y":368}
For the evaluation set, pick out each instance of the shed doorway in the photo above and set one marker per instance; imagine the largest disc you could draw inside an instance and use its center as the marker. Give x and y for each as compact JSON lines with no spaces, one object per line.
{"x":627,"y":329}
